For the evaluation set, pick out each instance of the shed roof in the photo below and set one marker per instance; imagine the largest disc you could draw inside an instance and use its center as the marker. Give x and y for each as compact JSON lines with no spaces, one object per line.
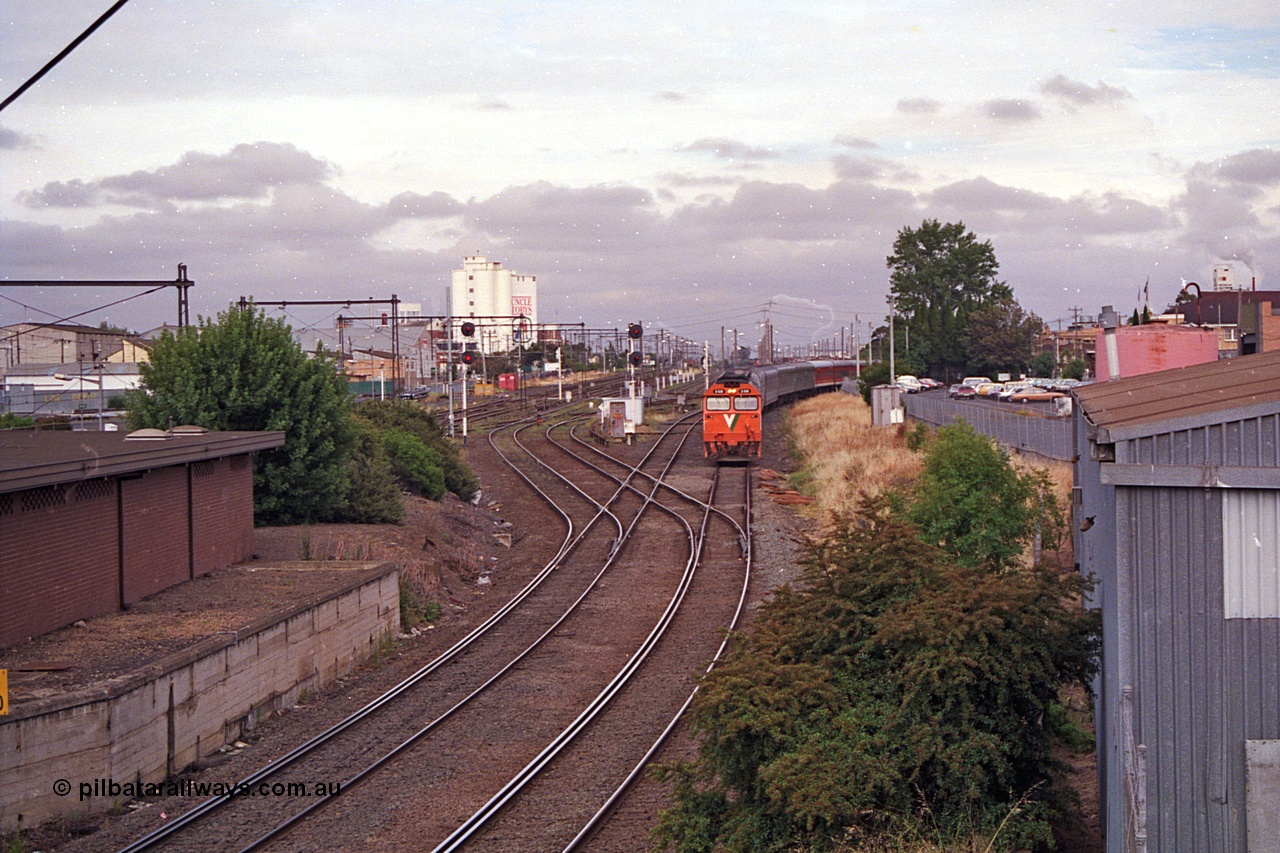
{"x":1183,"y":398}
{"x":33,"y":458}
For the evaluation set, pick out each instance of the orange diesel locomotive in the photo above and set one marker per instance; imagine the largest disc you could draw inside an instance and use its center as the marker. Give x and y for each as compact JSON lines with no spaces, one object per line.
{"x":733,"y":405}
{"x":731,"y":410}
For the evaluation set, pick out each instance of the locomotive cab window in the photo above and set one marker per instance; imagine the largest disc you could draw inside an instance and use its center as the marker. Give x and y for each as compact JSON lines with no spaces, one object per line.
{"x":745,"y":404}
{"x":717,"y":404}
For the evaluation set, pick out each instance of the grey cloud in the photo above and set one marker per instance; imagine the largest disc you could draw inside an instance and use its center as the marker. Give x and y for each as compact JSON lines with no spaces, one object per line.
{"x":676,"y":97}
{"x":676,"y":179}
{"x":1079,"y":94}
{"x":247,"y":172}
{"x":560,"y":218}
{"x":73,"y":193}
{"x":730,"y":149}
{"x":919,"y":106}
{"x":1260,"y":167}
{"x":495,"y":106}
{"x":608,"y":251}
{"x":12,"y":140}
{"x":1011,"y":209}
{"x":855,"y":142}
{"x":437,"y":205}
{"x":793,"y":212}
{"x":1011,"y":110}
{"x":849,"y":168}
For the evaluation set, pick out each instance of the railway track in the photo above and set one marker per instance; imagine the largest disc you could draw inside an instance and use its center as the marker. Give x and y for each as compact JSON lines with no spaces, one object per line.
{"x":521,"y":681}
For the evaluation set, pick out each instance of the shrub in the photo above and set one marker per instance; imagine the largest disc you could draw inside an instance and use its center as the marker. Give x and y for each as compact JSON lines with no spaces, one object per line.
{"x":417,"y":465}
{"x":413,"y":419}
{"x":908,"y":685}
{"x":372,"y":495}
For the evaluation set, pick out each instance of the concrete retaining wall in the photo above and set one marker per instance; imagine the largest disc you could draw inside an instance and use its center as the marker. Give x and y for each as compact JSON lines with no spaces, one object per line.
{"x":157,"y":721}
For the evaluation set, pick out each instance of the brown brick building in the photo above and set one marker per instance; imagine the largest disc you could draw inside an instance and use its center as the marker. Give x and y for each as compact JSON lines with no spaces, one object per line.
{"x":91,"y":522}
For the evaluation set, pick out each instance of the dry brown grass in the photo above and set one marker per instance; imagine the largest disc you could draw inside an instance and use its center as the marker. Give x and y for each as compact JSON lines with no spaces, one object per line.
{"x":845,"y":458}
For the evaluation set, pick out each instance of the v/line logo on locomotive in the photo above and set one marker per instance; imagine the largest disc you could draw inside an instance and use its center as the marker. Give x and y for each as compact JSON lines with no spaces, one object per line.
{"x":732,"y":407}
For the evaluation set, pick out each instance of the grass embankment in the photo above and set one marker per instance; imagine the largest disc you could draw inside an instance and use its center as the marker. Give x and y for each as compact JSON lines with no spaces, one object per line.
{"x":845,"y":460}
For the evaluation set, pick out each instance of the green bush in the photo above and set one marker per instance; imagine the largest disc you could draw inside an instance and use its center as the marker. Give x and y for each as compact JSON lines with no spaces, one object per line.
{"x":412,"y":418}
{"x":415,"y":610}
{"x":908,"y":683}
{"x":417,"y":465}
{"x":372,"y":495}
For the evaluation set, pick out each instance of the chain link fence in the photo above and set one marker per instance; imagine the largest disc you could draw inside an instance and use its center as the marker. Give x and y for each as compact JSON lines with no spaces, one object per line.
{"x":1027,"y":428}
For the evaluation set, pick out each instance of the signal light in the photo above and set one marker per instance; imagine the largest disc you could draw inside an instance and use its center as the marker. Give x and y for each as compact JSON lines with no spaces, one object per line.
{"x":468,"y":329}
{"x":635,"y":331}
{"x":635,"y":359}
{"x":468,"y":357}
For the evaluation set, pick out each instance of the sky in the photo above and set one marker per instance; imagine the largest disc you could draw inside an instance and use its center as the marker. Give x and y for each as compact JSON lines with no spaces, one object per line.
{"x":690,"y":166}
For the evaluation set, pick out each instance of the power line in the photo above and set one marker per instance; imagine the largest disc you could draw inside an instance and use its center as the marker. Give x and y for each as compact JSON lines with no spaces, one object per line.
{"x":63,"y":55}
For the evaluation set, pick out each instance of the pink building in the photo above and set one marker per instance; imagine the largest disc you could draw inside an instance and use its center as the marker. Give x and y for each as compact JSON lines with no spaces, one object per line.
{"x":1146,"y":349}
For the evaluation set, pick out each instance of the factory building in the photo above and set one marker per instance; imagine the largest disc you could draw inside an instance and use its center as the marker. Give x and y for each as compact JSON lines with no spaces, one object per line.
{"x":502,"y":303}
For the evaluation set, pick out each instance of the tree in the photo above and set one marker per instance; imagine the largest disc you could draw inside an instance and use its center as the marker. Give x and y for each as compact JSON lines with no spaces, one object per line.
{"x":969,"y":501}
{"x":903,"y":689}
{"x":1043,"y":365}
{"x":1001,"y":337}
{"x":939,"y":274}
{"x":244,"y":371}
{"x":1074,"y":369}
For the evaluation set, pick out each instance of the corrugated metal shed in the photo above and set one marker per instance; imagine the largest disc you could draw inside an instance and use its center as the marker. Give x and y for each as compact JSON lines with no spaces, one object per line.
{"x":1187,"y":394}
{"x":1178,"y":489}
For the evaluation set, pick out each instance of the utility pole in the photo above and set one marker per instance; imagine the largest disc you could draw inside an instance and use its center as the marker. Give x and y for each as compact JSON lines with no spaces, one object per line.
{"x":857,"y":347}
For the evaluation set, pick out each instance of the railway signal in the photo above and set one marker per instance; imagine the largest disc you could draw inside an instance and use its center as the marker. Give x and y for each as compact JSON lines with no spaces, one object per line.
{"x":635,"y":358}
{"x":469,"y":357}
{"x":468,"y":329}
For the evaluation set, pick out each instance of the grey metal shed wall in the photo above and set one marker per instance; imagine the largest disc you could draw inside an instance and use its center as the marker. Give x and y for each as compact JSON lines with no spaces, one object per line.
{"x":1249,"y":442}
{"x":1202,"y":684}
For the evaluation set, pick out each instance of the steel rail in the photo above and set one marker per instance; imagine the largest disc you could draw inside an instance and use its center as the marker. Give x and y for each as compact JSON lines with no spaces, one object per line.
{"x":203,"y":809}
{"x":496,"y":803}
{"x":590,"y":827}
{"x":417,"y":736}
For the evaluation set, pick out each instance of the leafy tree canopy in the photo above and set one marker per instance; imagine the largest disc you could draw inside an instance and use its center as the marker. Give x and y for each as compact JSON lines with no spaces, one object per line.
{"x":244,"y":371}
{"x":938,"y":275}
{"x":1001,"y":337}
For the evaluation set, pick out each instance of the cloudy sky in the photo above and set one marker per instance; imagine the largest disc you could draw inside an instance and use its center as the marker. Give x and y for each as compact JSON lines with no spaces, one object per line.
{"x":687,"y":164}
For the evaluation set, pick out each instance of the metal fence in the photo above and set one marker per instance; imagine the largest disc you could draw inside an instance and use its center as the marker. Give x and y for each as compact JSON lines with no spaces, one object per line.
{"x":1025,"y":429}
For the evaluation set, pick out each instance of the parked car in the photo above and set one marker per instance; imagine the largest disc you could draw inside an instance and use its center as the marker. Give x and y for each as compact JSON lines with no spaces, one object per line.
{"x":930,"y":384}
{"x":974,"y":381}
{"x":962,"y":392}
{"x":1011,"y":388}
{"x":909,"y":383}
{"x":988,"y":389}
{"x":1035,"y":395}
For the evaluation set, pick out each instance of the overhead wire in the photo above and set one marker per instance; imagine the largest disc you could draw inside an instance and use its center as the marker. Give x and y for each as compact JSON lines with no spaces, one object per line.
{"x":38,"y":326}
{"x":66,"y":51}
